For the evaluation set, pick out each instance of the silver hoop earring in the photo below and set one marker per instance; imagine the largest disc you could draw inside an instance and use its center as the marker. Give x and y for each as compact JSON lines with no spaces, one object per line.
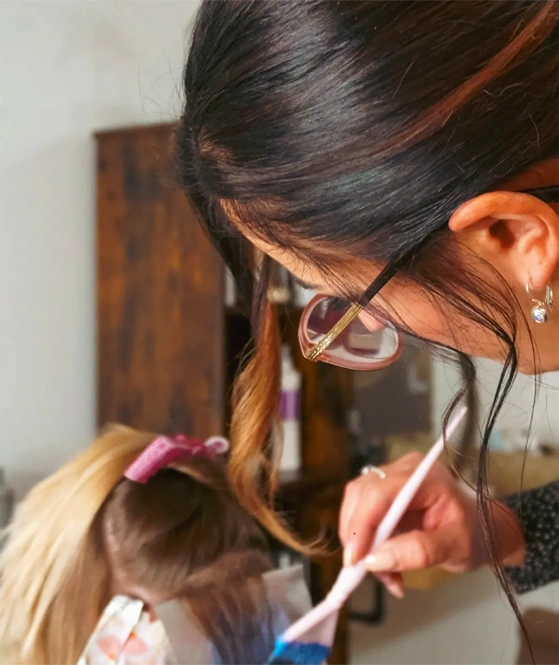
{"x":542,"y":309}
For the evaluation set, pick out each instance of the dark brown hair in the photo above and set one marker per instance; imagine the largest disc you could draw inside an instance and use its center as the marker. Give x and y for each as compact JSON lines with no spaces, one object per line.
{"x":353,"y":130}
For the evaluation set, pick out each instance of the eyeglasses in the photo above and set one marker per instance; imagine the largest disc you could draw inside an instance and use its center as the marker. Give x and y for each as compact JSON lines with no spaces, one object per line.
{"x":331,"y":331}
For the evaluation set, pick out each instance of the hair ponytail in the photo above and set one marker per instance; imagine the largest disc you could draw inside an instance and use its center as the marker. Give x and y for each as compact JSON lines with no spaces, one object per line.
{"x":53,"y":564}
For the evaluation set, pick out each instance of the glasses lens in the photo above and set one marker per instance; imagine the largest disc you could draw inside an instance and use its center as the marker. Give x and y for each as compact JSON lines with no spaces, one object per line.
{"x":358,"y":346}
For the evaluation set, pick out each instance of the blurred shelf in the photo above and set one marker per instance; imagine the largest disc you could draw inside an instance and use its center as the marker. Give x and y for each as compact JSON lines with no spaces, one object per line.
{"x":425,"y":580}
{"x":286,"y":312}
{"x":508,"y":472}
{"x":295,"y":482}
{"x":515,"y":472}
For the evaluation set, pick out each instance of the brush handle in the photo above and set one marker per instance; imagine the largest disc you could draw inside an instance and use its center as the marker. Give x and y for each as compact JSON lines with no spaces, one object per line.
{"x":409,"y":490}
{"x":351,"y":577}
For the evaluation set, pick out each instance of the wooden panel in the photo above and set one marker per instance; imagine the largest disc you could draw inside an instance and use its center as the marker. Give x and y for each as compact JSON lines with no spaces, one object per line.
{"x":160,"y":312}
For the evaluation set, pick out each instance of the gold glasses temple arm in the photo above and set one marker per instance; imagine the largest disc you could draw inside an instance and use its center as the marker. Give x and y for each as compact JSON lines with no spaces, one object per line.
{"x":350,"y":316}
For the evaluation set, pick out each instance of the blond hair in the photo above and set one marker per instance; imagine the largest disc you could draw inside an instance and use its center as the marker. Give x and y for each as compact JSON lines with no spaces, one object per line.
{"x":57,"y":568}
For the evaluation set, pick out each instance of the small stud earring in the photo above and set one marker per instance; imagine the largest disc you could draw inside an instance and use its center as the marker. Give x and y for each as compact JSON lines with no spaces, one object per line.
{"x":542,"y":309}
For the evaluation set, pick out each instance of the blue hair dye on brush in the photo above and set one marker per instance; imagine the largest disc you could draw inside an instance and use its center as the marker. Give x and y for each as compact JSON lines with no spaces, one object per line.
{"x":299,"y":653}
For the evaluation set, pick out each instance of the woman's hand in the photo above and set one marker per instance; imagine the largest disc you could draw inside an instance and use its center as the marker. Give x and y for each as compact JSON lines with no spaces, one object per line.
{"x":440,"y":528}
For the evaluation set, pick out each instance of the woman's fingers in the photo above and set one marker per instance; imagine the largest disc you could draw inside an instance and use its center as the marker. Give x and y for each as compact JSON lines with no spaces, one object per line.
{"x":396,"y":475}
{"x":366,"y":501}
{"x":349,"y":503}
{"x":437,"y":520}
{"x":417,"y":550}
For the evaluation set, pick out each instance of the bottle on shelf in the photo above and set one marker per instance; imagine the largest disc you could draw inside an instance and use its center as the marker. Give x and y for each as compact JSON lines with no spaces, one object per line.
{"x":279,"y":288}
{"x":290,"y":408}
{"x":230,"y":289}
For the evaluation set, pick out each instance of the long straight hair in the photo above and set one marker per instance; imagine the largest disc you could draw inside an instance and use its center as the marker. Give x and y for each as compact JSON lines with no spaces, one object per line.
{"x":353,"y":130}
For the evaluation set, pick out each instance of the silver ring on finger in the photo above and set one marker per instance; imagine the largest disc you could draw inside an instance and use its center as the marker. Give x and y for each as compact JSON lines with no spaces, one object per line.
{"x":371,"y":468}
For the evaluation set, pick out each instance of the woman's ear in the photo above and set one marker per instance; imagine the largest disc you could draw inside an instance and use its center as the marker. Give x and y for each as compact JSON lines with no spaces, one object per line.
{"x":516,"y":233}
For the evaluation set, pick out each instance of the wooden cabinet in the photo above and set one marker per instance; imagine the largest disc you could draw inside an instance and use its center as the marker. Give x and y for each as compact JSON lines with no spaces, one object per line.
{"x":159,"y":294}
{"x":167,"y":346}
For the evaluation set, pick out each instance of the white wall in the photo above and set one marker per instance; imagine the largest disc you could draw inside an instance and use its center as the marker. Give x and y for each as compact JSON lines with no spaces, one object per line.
{"x":518,"y":409}
{"x":66,"y":69}
{"x":464,"y":622}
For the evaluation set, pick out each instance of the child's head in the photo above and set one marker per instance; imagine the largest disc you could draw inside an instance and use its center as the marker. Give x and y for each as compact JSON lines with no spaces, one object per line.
{"x":87,"y":533}
{"x":161,"y":535}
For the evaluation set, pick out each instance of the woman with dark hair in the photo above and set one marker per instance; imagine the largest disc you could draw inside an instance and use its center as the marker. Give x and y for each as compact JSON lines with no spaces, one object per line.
{"x":402,"y":158}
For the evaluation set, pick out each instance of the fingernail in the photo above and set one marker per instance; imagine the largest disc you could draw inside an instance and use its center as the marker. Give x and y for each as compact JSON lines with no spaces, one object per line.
{"x":395,"y":589}
{"x":381,"y":561}
{"x":348,"y":554}
{"x":393,"y":585}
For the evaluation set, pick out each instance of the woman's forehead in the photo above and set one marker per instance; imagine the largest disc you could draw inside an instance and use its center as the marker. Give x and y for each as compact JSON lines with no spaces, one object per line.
{"x":351,"y":284}
{"x":353,"y":276}
{"x":295,"y":265}
{"x":289,"y":260}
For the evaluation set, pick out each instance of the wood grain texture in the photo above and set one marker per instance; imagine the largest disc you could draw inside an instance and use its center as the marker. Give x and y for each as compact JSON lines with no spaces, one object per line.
{"x":159,"y":294}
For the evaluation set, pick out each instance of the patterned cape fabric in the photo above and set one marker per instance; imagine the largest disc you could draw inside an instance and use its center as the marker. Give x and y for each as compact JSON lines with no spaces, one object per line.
{"x":128,"y":633}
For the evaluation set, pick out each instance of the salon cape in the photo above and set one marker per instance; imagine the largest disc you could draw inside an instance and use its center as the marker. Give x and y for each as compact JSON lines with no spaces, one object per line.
{"x":127,"y":634}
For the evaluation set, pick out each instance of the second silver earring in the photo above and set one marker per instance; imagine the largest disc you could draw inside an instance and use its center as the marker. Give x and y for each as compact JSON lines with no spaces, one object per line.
{"x":542,"y":308}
